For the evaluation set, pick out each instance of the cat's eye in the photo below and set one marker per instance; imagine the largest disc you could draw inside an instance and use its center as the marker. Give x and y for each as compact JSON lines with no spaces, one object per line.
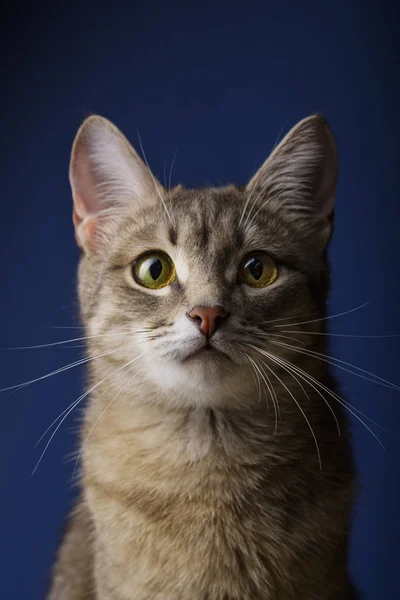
{"x":154,"y":270}
{"x":258,"y":270}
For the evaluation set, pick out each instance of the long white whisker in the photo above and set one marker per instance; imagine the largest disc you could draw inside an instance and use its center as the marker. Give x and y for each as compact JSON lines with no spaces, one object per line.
{"x":252,"y":371}
{"x":246,"y":223}
{"x":170,"y":171}
{"x":98,"y":419}
{"x":269,"y":199}
{"x":78,"y":400}
{"x":334,"y":362}
{"x":298,"y":406}
{"x":65,"y":368}
{"x":348,"y":335}
{"x":334,"y":395}
{"x":257,"y":370}
{"x":257,"y":376}
{"x":267,"y":335}
{"x":263,"y":375}
{"x":274,"y":395}
{"x":64,"y":326}
{"x":165,"y":174}
{"x":74,"y":404}
{"x":283,"y":319}
{"x":339,"y":399}
{"x":346,"y":312}
{"x":62,"y":342}
{"x":279,"y":135}
{"x":293,"y":369}
{"x":153,"y":178}
{"x":245,"y":206}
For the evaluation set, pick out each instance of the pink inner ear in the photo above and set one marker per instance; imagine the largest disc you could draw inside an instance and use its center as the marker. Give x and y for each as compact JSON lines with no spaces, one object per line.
{"x":77,"y":220}
{"x":83,"y":184}
{"x":86,"y":205}
{"x":85,"y":230}
{"x":81,"y":209}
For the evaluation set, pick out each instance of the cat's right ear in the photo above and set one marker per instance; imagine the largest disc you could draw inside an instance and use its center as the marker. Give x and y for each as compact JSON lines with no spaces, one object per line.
{"x":106,"y":176}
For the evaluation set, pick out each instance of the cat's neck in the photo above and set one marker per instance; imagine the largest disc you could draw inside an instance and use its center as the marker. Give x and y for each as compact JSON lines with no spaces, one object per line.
{"x":146,"y":423}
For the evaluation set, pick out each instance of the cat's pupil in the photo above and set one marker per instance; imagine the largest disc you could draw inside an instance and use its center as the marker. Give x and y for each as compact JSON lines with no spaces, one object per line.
{"x":155,"y":269}
{"x":255,"y":267}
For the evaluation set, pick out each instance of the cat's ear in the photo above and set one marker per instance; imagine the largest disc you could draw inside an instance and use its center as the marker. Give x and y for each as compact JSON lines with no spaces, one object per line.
{"x":107,"y":176}
{"x":300,"y":177}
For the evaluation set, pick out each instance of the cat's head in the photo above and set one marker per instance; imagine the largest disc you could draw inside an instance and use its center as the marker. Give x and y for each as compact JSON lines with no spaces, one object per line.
{"x":187,"y":285}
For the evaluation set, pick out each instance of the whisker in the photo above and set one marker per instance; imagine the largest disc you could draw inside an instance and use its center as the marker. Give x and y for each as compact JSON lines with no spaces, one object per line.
{"x":122,"y":332}
{"x":84,"y":395}
{"x":254,"y":188}
{"x":170,"y":171}
{"x":258,"y":381}
{"x":62,"y":342}
{"x":279,"y":135}
{"x":153,"y":178}
{"x":349,"y":335}
{"x":75,"y":403}
{"x":64,"y":326}
{"x":333,"y":361}
{"x":65,"y":368}
{"x":78,"y":400}
{"x":246,"y":205}
{"x":270,"y":387}
{"x":98,"y":419}
{"x":298,"y":406}
{"x":246,"y":223}
{"x":291,"y":368}
{"x":283,"y":319}
{"x":346,"y":312}
{"x":252,"y":371}
{"x":165,"y":174}
{"x":253,"y":362}
{"x":267,"y":335}
{"x":263,"y":374}
{"x":269,"y":199}
{"x":338,"y":398}
{"x":137,"y":392}
{"x":274,"y":395}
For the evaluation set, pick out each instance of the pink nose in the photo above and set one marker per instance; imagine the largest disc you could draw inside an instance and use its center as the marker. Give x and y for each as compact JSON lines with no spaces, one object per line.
{"x":208,"y":318}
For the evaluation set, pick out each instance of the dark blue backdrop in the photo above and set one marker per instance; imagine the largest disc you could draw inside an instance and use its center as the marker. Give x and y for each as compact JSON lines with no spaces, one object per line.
{"x":216,"y":84}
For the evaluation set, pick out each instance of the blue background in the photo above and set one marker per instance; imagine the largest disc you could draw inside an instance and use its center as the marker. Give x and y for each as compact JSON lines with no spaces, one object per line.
{"x":216,"y":83}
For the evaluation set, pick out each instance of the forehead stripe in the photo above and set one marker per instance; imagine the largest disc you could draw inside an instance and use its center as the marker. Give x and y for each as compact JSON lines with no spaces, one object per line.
{"x":172,"y":235}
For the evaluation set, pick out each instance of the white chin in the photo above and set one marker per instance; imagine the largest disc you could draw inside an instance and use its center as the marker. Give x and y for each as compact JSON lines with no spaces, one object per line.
{"x":200,"y":379}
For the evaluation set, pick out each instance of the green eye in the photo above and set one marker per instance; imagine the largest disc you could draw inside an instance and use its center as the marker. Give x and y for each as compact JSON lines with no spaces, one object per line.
{"x":258,"y":270}
{"x":154,"y":270}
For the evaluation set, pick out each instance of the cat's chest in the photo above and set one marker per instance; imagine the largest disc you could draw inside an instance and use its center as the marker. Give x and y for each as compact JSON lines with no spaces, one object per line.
{"x":157,"y":540}
{"x":158,"y":514}
{"x":174,"y":507}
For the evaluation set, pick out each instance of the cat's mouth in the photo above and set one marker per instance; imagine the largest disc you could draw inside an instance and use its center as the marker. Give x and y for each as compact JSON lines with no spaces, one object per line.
{"x":207,"y":352}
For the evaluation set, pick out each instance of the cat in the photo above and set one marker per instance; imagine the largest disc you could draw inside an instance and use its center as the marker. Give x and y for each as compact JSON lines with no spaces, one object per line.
{"x":216,"y":461}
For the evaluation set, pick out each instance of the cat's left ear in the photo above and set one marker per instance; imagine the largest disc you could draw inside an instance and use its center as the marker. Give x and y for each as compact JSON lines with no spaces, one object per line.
{"x":299,"y":178}
{"x":107,"y":178}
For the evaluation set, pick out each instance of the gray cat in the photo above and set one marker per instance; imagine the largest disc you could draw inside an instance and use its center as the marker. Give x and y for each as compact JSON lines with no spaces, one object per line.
{"x":212,"y":465}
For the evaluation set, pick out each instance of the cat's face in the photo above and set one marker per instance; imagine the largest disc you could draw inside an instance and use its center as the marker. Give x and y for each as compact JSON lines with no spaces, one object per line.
{"x":185,"y":285}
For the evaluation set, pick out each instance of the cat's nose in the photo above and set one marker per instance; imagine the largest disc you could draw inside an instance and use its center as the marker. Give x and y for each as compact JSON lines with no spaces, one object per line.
{"x":208,"y":318}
